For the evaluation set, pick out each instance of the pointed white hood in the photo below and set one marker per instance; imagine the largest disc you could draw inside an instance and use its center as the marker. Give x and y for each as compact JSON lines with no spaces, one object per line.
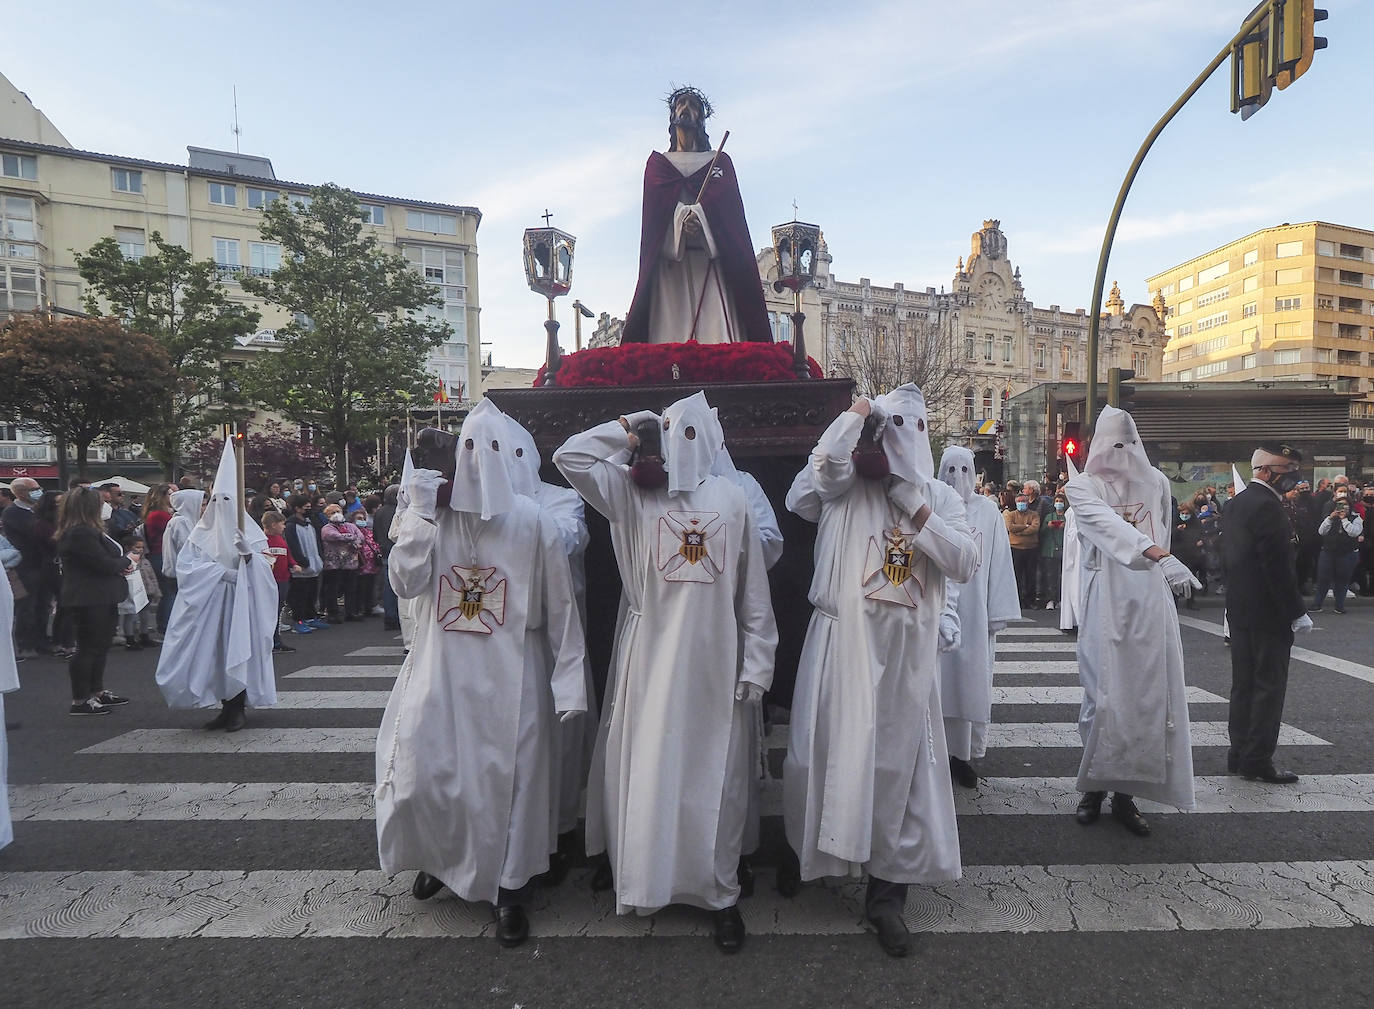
{"x":481,"y":480}
{"x":1115,"y":453}
{"x":956,"y":469}
{"x":1237,"y":484}
{"x":906,"y":438}
{"x":722,"y":464}
{"x":214,"y":533}
{"x":186,"y":504}
{"x":692,"y":438}
{"x":522,"y":458}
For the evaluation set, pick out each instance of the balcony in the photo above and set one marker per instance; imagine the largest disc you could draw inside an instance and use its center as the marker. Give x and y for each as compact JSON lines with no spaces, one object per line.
{"x":1352,"y":305}
{"x":1352,"y":278}
{"x":229,"y":271}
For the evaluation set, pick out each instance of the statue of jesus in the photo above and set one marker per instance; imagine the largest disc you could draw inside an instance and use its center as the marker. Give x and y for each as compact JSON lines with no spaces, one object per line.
{"x":698,"y":279}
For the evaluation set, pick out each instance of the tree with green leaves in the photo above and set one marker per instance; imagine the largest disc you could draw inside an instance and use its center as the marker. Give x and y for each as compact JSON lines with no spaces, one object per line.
{"x":361,"y":335}
{"x":79,"y":381}
{"x":181,"y":303}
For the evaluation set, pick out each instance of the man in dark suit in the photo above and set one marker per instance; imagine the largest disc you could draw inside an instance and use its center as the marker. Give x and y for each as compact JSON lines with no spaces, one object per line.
{"x":1264,"y":609}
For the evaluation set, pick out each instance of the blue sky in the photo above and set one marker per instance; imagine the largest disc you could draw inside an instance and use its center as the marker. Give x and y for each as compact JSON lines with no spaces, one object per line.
{"x":898,"y":127}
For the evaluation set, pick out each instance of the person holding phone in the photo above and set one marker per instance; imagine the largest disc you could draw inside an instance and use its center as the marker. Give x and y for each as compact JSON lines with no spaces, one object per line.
{"x":1340,"y":533}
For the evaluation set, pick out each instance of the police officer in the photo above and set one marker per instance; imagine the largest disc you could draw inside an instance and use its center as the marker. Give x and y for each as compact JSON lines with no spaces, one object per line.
{"x":1264,"y":609}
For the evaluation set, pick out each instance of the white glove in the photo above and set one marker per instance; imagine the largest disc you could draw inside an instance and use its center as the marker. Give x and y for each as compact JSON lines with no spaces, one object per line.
{"x":949,"y":631}
{"x":633,"y":420}
{"x":241,"y":545}
{"x":1180,"y":579}
{"x":749,"y":693}
{"x":1302,"y":625}
{"x":906,"y":496}
{"x":880,"y":418}
{"x":423,"y":491}
{"x":229,"y":577}
{"x":568,"y":716}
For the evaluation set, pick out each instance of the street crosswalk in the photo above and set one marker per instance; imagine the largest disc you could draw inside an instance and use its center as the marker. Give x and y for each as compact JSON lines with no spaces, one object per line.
{"x":1035,"y":700}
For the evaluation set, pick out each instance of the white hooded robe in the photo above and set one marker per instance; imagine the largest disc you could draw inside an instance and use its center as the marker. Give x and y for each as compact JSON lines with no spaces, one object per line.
{"x":9,"y":681}
{"x":465,"y":751}
{"x":1134,"y":718}
{"x":866,"y":783}
{"x":667,"y":796}
{"x":219,"y":635}
{"x":185,"y":514}
{"x":986,"y":604}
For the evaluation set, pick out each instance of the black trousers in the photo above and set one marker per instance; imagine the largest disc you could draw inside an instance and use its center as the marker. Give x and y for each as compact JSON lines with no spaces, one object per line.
{"x":1023,"y":562}
{"x":1259,"y":681}
{"x":94,"y":627}
{"x":301,"y":598}
{"x":336,"y":583}
{"x":883,"y":896}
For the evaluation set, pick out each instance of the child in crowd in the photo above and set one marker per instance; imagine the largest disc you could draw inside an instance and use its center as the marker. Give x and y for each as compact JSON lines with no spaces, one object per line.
{"x":274,"y":526}
{"x":139,"y":625}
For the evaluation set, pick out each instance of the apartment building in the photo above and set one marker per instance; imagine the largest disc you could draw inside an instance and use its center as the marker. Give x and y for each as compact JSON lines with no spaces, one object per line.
{"x":1283,"y":304}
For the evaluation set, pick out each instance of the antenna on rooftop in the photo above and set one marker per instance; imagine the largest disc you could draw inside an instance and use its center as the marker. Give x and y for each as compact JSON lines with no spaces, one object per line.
{"x":237,"y":129}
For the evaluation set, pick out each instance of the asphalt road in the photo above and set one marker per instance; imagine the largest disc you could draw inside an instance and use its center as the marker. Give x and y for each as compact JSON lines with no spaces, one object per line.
{"x":269,"y":858}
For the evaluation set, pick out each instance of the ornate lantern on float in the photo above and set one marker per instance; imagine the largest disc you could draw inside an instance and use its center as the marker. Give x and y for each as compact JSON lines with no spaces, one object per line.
{"x":548,"y":254}
{"x":796,"y":245}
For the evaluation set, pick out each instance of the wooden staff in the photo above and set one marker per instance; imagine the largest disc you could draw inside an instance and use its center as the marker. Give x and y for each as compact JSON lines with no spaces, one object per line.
{"x":706,"y":181}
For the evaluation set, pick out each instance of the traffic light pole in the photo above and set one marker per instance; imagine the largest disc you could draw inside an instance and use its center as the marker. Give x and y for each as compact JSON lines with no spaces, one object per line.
{"x":1090,"y":407}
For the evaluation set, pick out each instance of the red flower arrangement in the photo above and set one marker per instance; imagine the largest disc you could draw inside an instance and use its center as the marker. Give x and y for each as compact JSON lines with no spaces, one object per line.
{"x":695,"y":363}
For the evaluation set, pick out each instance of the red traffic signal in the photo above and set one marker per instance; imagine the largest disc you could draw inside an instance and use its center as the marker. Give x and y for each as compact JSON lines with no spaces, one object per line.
{"x":1070,"y":447}
{"x":1072,"y":442}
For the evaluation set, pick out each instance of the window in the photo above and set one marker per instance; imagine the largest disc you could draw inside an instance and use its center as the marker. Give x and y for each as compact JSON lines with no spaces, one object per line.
{"x":263,"y":258}
{"x":227,"y":257}
{"x":1212,"y":297}
{"x":300,"y":201}
{"x":438,"y":224}
{"x":222,"y":194}
{"x":1288,"y":357}
{"x":1186,"y":376}
{"x":1287,"y":304}
{"x":1351,"y":305}
{"x":1184,"y":307}
{"x":1006,"y":350}
{"x":988,"y":341}
{"x":446,"y":270}
{"x":1249,"y":361}
{"x":1065,"y":360}
{"x":1208,"y":321}
{"x":969,"y":350}
{"x":1293,"y":276}
{"x":1211,"y":346}
{"x":1140,"y":361}
{"x":1326,"y":301}
{"x":126,"y":180}
{"x":1186,"y":329}
{"x":1353,"y":277}
{"x":1287,"y":330}
{"x":19,"y":166}
{"x":968,"y":404}
{"x":1167,"y":290}
{"x":258,"y":199}
{"x":784,"y":327}
{"x":1249,"y":334}
{"x":1251,"y":258}
{"x":1326,"y":248}
{"x":987,"y":404}
{"x":1041,"y":357}
{"x":1185,"y":283}
{"x":374,"y":214}
{"x":1215,"y":368}
{"x":1213,"y":272}
{"x":18,"y":230}
{"x":1251,"y":284}
{"x":1352,"y":251}
{"x":1284,"y":250}
{"x":131,"y":242}
{"x":1249,"y":309}
{"x":20,"y":288}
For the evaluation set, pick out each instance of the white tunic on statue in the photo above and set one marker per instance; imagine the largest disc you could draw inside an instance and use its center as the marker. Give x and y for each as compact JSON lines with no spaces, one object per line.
{"x":866,"y":783}
{"x":667,"y":797}
{"x":985,"y":605}
{"x":1134,"y":718}
{"x":9,"y":681}
{"x":686,"y":285}
{"x":219,"y":635}
{"x":465,"y":752}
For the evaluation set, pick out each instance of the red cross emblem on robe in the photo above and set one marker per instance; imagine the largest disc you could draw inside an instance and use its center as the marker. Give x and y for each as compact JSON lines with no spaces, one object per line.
{"x":473,"y":600}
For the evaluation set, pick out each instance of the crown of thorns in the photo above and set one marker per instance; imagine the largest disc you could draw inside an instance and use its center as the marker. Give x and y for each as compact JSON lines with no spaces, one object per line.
{"x":706,"y":110}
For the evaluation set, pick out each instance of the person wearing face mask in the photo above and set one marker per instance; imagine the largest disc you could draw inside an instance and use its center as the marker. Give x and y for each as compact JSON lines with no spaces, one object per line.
{"x":974,"y":613}
{"x":866,"y":781}
{"x":1264,"y":609}
{"x":668,"y":793}
{"x":1340,"y":533}
{"x":1187,"y":544}
{"x":464,"y":759}
{"x":1023,"y":529}
{"x":1134,"y":717}
{"x":20,"y":529}
{"x":1051,"y":560}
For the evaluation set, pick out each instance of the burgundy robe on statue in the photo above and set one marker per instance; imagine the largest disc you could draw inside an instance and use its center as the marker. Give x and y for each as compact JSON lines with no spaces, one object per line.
{"x":664,"y":189}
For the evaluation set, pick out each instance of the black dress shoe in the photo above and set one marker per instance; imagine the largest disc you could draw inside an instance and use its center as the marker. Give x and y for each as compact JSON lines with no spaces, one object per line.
{"x":220,"y":720}
{"x":1089,"y":807}
{"x":893,"y":936}
{"x":745,"y":875}
{"x":425,"y":886}
{"x":512,"y":925}
{"x":1272,"y":776}
{"x":962,"y":772}
{"x":729,"y":931}
{"x":1125,"y":813}
{"x":235,"y":719}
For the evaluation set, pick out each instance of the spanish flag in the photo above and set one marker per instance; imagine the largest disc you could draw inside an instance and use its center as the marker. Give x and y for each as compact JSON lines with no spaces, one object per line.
{"x":441,"y":397}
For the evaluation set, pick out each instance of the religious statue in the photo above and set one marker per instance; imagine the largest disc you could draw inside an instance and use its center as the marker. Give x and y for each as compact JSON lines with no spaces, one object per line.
{"x":698,"y":279}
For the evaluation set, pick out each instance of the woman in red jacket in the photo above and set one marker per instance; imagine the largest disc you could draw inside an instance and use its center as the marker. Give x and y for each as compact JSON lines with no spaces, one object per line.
{"x":157,"y":512}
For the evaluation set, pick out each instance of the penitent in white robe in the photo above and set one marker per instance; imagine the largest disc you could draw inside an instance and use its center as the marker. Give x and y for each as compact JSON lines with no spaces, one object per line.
{"x":1134,"y":719}
{"x":465,"y":750}
{"x":989,"y":598}
{"x":866,"y":782}
{"x":686,"y":285}
{"x":9,"y":681}
{"x":667,"y":797}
